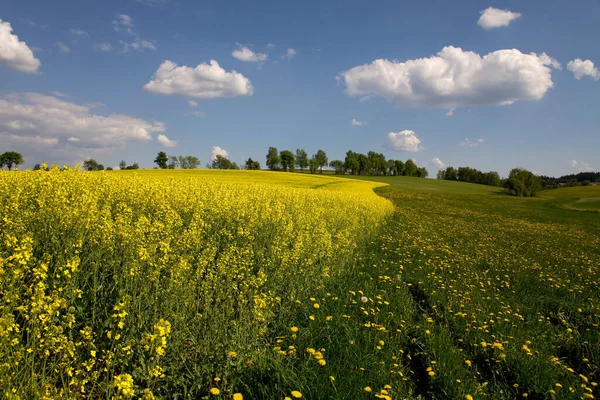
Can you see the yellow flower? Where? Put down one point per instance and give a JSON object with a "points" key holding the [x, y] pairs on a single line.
{"points": [[294, 329], [322, 362], [332, 378], [468, 397], [296, 394], [316, 305], [215, 391], [468, 362], [368, 389], [238, 396]]}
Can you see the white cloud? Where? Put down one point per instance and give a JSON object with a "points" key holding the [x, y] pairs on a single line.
{"points": [[60, 94], [494, 18], [63, 48], [217, 151], [289, 54], [406, 140], [581, 68], [247, 55], [454, 78], [438, 163], [79, 32], [15, 54], [205, 81], [581, 166], [356, 122], [137, 44], [153, 3], [468, 143], [166, 142], [450, 112], [104, 46], [270, 45], [34, 118], [192, 103], [122, 21]]}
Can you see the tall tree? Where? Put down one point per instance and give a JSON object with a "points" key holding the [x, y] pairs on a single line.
{"points": [[161, 160], [321, 158], [221, 162], [122, 164], [273, 159], [173, 162], [10, 159], [91, 165], [288, 161], [301, 159], [399, 167], [313, 165], [522, 183], [351, 162], [410, 168]]}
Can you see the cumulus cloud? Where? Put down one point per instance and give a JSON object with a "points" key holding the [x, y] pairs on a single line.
{"points": [[165, 141], [468, 143], [405, 140], [454, 78], [79, 32], [289, 54], [494, 18], [581, 68], [247, 55], [29, 121], [356, 122], [581, 166], [122, 21], [218, 151], [63, 48], [438, 163], [205, 81], [15, 54]]}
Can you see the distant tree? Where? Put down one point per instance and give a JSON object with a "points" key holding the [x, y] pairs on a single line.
{"points": [[441, 174], [491, 178], [273, 159], [221, 162], [410, 168], [37, 167], [109, 168], [422, 172], [313, 165], [91, 165], [288, 160], [351, 162], [301, 159], [173, 162], [321, 158], [522, 183], [161, 160], [252, 165], [100, 167], [135, 165], [192, 162], [451, 174], [338, 166], [399, 167], [10, 159], [364, 165], [122, 164]]}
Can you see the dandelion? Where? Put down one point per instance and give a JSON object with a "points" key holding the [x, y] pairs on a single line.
{"points": [[215, 391], [296, 394], [294, 329], [316, 305], [364, 299], [368, 389], [238, 396], [468, 397]]}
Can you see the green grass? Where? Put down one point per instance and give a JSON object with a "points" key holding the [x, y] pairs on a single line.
{"points": [[407, 182]]}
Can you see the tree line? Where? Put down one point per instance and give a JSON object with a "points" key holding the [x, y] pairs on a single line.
{"points": [[470, 175], [582, 178], [354, 163]]}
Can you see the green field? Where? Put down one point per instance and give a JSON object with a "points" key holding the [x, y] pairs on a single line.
{"points": [[263, 285]]}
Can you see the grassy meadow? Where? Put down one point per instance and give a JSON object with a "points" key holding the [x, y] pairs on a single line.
{"points": [[261, 285]]}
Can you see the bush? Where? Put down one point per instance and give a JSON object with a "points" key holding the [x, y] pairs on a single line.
{"points": [[522, 183]]}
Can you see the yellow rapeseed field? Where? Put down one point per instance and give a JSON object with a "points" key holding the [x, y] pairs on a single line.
{"points": [[122, 285]]}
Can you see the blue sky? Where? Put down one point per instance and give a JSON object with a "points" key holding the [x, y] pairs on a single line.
{"points": [[88, 93]]}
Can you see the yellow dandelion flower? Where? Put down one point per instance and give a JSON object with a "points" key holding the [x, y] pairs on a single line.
{"points": [[296, 394], [238, 396], [368, 389], [215, 391]]}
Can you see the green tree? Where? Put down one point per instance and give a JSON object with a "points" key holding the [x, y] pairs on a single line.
{"points": [[351, 162], [221, 162], [422, 172], [273, 159], [410, 168], [10, 159], [91, 165], [338, 166], [451, 174], [122, 164], [161, 160], [173, 162], [364, 165], [301, 159], [252, 165], [321, 158], [37, 167], [522, 183], [441, 174], [399, 167], [313, 165], [288, 161]]}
